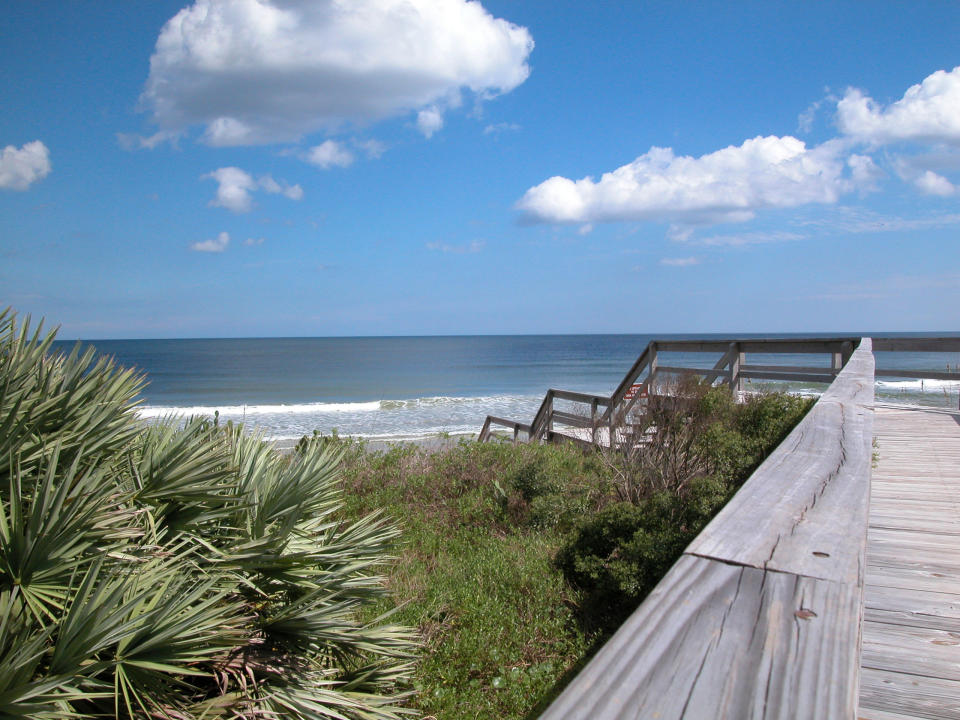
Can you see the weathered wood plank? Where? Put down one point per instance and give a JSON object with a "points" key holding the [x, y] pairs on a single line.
{"points": [[911, 629], [805, 509], [911, 650], [927, 344], [909, 606], [910, 696], [716, 640]]}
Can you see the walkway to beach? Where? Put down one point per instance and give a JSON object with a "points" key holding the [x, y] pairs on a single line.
{"points": [[910, 665]]}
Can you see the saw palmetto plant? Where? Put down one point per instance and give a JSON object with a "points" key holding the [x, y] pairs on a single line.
{"points": [[177, 570]]}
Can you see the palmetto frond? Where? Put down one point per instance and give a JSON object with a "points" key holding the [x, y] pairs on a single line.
{"points": [[177, 570]]}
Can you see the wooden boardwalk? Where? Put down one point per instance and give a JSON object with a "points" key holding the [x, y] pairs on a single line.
{"points": [[910, 664]]}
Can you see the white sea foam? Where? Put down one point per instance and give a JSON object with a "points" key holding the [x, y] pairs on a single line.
{"points": [[151, 411], [918, 385], [406, 419]]}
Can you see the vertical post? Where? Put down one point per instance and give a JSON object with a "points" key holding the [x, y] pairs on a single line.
{"points": [[736, 360], [653, 366], [593, 421], [549, 420], [846, 352], [516, 432]]}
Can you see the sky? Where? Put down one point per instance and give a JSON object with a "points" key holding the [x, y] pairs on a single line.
{"points": [[262, 168]]}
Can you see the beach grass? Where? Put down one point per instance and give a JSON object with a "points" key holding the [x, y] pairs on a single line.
{"points": [[497, 621]]}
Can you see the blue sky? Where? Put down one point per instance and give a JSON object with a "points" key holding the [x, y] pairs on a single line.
{"points": [[393, 167]]}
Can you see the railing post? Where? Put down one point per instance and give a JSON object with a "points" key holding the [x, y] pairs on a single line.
{"points": [[653, 365], [593, 421], [516, 432], [737, 359], [549, 422], [485, 432]]}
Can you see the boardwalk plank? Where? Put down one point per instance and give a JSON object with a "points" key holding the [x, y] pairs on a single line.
{"points": [[910, 662]]}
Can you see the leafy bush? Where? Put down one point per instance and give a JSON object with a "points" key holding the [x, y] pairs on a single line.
{"points": [[178, 570], [688, 454]]}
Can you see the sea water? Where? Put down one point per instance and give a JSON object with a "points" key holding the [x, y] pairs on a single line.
{"points": [[408, 388]]}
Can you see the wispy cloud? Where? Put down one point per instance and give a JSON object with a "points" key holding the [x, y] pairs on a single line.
{"points": [[748, 238], [497, 128], [857, 220], [133, 141], [680, 261], [465, 249]]}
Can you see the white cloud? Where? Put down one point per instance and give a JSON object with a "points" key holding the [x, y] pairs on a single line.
{"points": [[498, 128], [933, 184], [233, 192], [429, 121], [132, 141], [253, 241], [19, 169], [271, 186], [329, 154], [373, 148], [262, 71], [680, 262], [728, 185], [750, 238], [235, 187], [928, 112], [857, 220], [465, 249], [216, 245]]}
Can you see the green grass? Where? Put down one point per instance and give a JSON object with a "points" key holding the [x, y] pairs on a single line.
{"points": [[476, 571], [496, 619]]}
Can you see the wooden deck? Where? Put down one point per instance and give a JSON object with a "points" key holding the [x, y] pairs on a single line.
{"points": [[910, 663]]}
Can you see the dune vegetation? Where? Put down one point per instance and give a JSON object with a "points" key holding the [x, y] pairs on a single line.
{"points": [[176, 570]]}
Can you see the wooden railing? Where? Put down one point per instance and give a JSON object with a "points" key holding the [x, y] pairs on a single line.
{"points": [[606, 418], [760, 617]]}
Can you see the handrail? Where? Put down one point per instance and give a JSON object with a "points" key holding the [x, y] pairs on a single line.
{"points": [[760, 617], [732, 369]]}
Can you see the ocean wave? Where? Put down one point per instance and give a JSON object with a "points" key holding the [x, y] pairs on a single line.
{"points": [[155, 411], [918, 385]]}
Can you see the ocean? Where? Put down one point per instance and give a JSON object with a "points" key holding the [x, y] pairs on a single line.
{"points": [[411, 388]]}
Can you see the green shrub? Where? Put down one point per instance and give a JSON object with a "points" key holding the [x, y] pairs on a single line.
{"points": [[180, 570], [619, 554], [690, 453]]}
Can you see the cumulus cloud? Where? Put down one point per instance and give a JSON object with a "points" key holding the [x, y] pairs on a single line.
{"points": [[262, 71], [20, 168], [235, 187], [928, 112], [329, 154], [215, 245], [729, 185], [429, 121], [931, 183]]}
